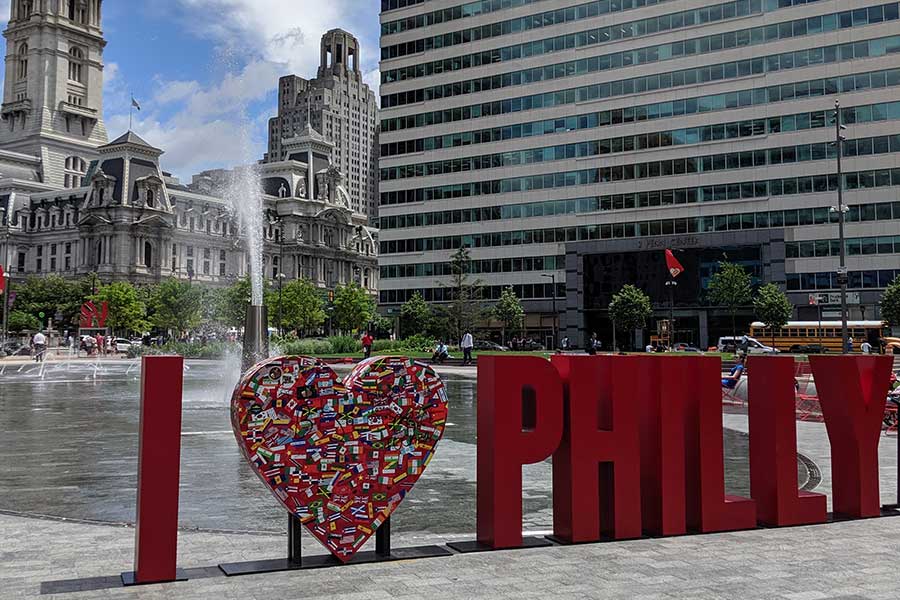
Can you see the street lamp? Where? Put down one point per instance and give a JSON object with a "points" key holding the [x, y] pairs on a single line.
{"points": [[841, 211], [671, 284], [552, 278]]}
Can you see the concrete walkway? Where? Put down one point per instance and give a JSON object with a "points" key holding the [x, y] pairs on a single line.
{"points": [[849, 560]]}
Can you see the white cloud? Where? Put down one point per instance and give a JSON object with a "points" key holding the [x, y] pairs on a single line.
{"points": [[256, 42]]}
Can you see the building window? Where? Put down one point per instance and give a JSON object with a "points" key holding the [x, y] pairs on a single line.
{"points": [[20, 262], [151, 199], [76, 64], [148, 255], [78, 11], [23, 62], [75, 169]]}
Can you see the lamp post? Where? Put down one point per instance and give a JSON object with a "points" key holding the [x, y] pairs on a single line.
{"points": [[671, 284], [841, 211], [552, 278]]}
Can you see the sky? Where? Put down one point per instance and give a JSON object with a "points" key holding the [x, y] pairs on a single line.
{"points": [[205, 72]]}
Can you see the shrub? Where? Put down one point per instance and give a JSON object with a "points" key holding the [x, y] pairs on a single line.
{"points": [[385, 346], [345, 344], [417, 343], [309, 347]]}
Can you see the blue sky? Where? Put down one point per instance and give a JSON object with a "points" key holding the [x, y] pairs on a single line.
{"points": [[206, 70]]}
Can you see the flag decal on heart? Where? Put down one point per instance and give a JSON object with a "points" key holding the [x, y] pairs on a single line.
{"points": [[340, 455]]}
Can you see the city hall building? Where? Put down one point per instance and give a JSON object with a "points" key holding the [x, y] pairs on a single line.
{"points": [[72, 203], [575, 141]]}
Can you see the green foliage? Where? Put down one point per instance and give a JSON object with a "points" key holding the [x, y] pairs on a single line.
{"points": [[509, 311], [233, 303], [415, 316], [302, 306], [630, 308], [381, 326], [772, 306], [345, 344], [18, 320], [52, 294], [176, 305], [353, 307], [730, 287], [309, 347], [209, 351], [127, 313], [465, 309], [890, 303]]}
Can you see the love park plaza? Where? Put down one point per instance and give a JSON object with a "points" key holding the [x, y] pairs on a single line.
{"points": [[445, 299]]}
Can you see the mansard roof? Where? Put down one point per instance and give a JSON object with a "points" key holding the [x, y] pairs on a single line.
{"points": [[130, 137]]}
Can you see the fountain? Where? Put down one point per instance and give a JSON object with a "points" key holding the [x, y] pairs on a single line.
{"points": [[245, 196]]}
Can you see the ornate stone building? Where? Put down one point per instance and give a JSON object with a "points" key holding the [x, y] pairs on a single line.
{"points": [[73, 204], [343, 108]]}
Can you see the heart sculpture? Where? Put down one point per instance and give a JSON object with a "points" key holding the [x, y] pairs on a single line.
{"points": [[341, 456]]}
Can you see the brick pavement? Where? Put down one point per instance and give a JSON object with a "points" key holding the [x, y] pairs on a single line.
{"points": [[849, 560]]}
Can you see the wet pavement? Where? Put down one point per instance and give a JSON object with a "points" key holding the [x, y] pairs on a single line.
{"points": [[69, 449]]}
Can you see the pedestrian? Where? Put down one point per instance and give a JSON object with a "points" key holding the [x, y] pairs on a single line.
{"points": [[850, 345], [866, 347], [564, 344], [593, 344], [100, 344], [467, 344], [649, 348], [39, 343], [367, 344]]}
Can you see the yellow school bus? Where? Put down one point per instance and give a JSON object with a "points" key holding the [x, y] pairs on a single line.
{"points": [[797, 334]]}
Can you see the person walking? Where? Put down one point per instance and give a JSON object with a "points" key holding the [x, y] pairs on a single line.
{"points": [[850, 345], [593, 344], [367, 344], [467, 344], [39, 343], [866, 347]]}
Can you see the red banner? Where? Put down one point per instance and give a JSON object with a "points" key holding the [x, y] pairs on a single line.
{"points": [[675, 268]]}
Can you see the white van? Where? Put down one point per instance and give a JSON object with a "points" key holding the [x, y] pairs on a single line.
{"points": [[754, 346]]}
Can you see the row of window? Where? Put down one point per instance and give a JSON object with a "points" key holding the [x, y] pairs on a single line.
{"points": [[652, 54], [659, 168], [453, 13], [545, 19], [649, 112], [547, 208], [829, 54], [858, 280], [651, 199], [478, 267], [886, 244], [525, 291], [882, 211], [665, 168], [639, 28], [884, 111]]}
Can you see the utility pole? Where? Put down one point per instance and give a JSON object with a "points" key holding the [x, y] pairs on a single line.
{"points": [[841, 211], [552, 277], [671, 283]]}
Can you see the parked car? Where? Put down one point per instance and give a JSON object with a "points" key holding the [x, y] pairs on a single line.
{"points": [[122, 345], [682, 347], [489, 346], [15, 349], [754, 346], [530, 345], [808, 349]]}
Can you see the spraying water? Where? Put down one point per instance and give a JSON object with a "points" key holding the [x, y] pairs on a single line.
{"points": [[245, 195]]}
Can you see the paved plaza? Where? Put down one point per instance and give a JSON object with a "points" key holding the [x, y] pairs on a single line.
{"points": [[849, 560]]}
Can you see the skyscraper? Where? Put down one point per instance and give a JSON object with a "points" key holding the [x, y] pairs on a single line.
{"points": [[340, 105], [577, 140]]}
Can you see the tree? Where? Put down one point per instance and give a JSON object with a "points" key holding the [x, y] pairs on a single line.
{"points": [[21, 321], [51, 295], [353, 307], [509, 311], [302, 307], [176, 305], [630, 308], [126, 311], [773, 308], [890, 303], [465, 309], [234, 301], [730, 287], [415, 316]]}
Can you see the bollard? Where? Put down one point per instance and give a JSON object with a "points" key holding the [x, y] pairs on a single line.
{"points": [[159, 455]]}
